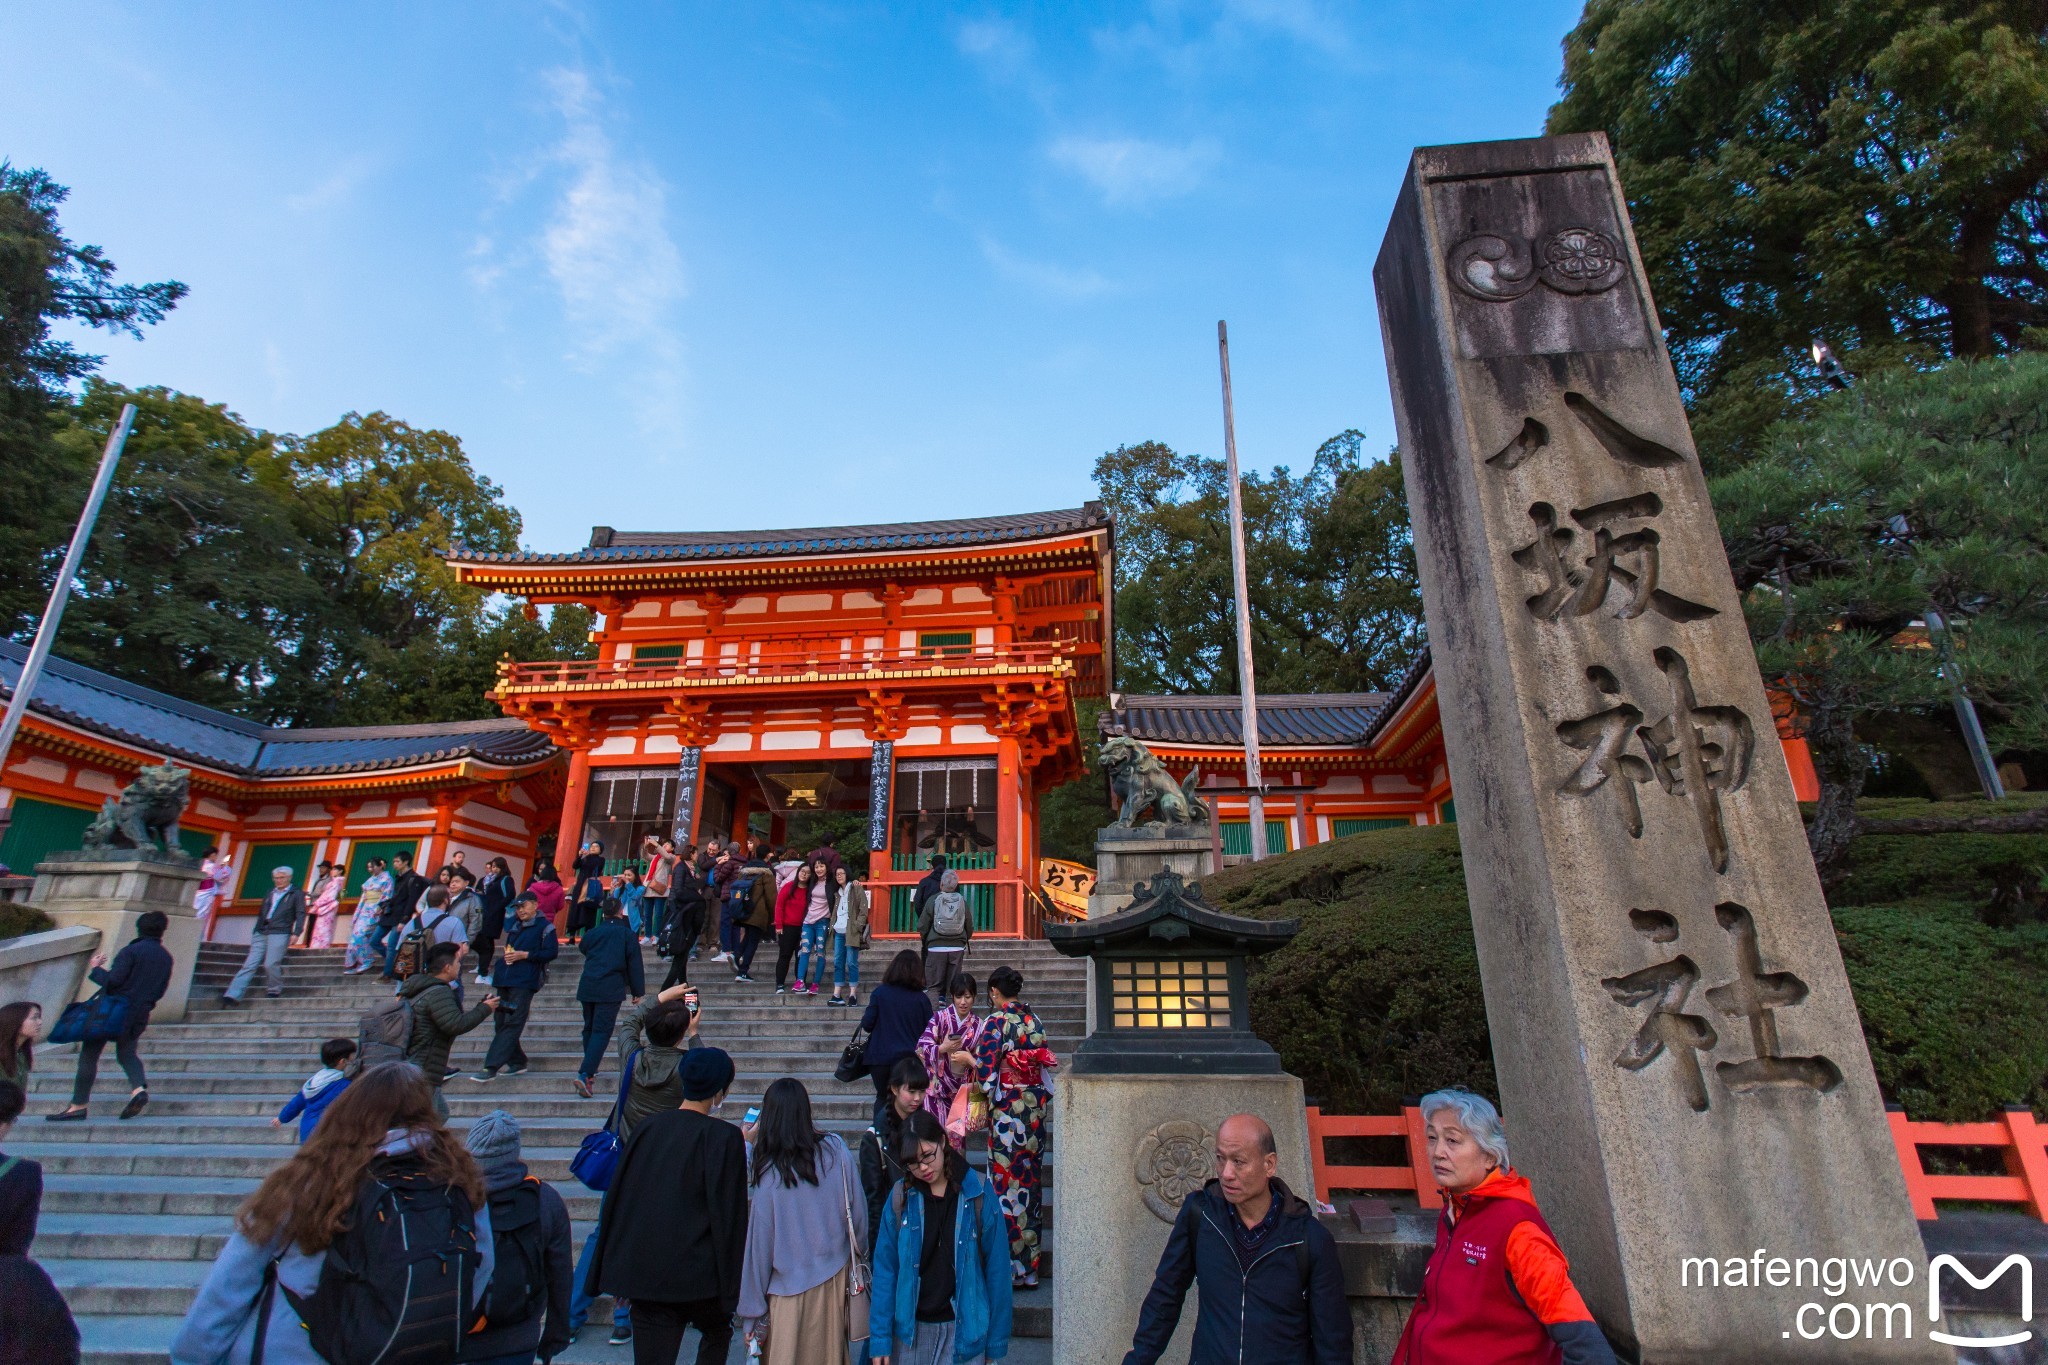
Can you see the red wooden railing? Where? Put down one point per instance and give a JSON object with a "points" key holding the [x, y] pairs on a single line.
{"points": [[2020, 1140], [2018, 1137], [784, 660], [1406, 1125]]}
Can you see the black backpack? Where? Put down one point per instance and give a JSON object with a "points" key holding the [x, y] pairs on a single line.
{"points": [[519, 1283], [397, 1284]]}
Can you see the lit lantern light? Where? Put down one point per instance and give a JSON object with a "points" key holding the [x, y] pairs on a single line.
{"points": [[1168, 977]]}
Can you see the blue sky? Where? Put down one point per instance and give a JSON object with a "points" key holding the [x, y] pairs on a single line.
{"points": [[701, 266]]}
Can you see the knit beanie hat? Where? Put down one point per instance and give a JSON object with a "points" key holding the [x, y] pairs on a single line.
{"points": [[494, 1138], [705, 1071]]}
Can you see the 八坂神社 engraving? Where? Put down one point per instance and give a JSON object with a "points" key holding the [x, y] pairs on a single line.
{"points": [[1580, 591], [1751, 997], [1575, 260], [1695, 752], [1667, 1026], [1628, 447]]}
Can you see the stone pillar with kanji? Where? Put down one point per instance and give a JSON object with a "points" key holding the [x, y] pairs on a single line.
{"points": [[1681, 1065]]}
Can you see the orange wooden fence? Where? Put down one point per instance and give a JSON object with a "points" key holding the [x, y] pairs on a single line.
{"points": [[2019, 1138], [1406, 1125]]}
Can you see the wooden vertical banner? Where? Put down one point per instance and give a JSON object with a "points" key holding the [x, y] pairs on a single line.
{"points": [[689, 780], [881, 777], [1681, 1064]]}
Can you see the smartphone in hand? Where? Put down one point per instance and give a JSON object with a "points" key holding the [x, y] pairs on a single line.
{"points": [[753, 1116]]}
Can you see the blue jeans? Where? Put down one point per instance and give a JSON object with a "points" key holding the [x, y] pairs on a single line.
{"points": [[810, 958], [579, 1299], [386, 942], [845, 963]]}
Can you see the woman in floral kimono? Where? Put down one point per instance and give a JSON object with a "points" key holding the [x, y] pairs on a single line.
{"points": [[360, 956], [1012, 1061], [947, 1051], [326, 902]]}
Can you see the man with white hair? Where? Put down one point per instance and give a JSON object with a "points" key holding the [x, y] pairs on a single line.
{"points": [[1500, 1289], [283, 912], [1271, 1288]]}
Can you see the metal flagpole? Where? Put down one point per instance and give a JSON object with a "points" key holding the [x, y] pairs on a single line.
{"points": [[46, 632], [1247, 683]]}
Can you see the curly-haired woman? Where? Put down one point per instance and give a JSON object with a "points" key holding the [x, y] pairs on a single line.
{"points": [[383, 1127]]}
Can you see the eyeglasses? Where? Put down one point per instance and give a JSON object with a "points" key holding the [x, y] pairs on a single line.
{"points": [[926, 1156]]}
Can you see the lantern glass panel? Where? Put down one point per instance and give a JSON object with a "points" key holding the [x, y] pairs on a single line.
{"points": [[1170, 993]]}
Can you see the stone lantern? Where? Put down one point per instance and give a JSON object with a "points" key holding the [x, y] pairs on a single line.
{"points": [[1167, 984], [1169, 1055]]}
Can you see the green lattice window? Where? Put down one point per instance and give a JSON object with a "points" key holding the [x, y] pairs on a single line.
{"points": [[40, 828], [1237, 837], [1340, 828], [1448, 812], [263, 858], [953, 642], [359, 854], [641, 652]]}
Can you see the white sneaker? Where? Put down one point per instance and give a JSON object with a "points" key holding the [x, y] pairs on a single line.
{"points": [[723, 957], [482, 980]]}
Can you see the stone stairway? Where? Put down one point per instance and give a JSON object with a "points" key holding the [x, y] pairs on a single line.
{"points": [[133, 1213]]}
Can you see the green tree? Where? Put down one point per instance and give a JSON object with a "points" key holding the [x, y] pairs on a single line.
{"points": [[1871, 172], [45, 277], [195, 581], [445, 675], [378, 501], [1912, 489], [1329, 567]]}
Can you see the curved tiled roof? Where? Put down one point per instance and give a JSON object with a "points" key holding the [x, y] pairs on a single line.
{"points": [[609, 546], [1286, 719], [148, 719]]}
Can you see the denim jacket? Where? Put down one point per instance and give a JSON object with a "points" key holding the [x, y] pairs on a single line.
{"points": [[981, 1274]]}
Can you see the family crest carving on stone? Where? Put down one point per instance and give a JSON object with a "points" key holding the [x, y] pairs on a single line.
{"points": [[1173, 1161]]}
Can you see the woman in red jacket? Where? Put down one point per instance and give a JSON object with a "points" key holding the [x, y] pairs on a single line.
{"points": [[1500, 1291], [791, 904]]}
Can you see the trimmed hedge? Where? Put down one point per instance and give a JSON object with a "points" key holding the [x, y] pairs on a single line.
{"points": [[1379, 998], [19, 917]]}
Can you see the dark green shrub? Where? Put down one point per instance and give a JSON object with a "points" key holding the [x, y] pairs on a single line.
{"points": [[19, 917]]}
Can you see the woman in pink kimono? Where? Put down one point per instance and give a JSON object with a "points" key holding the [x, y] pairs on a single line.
{"points": [[947, 1050], [326, 901]]}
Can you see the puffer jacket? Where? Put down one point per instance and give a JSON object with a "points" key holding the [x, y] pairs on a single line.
{"points": [[1270, 1311], [438, 1019]]}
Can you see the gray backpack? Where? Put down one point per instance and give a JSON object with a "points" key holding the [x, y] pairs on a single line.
{"points": [[949, 915], [384, 1033]]}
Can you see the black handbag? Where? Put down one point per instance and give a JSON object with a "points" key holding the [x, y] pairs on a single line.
{"points": [[853, 1059]]}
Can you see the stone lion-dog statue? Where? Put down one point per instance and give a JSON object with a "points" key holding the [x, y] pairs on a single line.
{"points": [[1142, 785], [145, 814]]}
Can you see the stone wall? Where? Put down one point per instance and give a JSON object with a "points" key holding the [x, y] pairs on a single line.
{"points": [[46, 968]]}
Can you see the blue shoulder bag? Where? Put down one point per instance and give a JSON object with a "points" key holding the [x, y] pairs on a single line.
{"points": [[597, 1156]]}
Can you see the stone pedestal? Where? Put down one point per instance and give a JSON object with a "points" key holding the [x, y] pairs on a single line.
{"points": [[108, 894], [46, 968], [1125, 857], [1130, 1149]]}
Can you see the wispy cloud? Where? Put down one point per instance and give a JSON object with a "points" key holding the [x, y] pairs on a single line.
{"points": [[1306, 21], [606, 242], [603, 244], [335, 187], [1043, 277], [1129, 170]]}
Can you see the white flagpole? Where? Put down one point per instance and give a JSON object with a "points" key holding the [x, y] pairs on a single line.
{"points": [[60, 592], [1247, 684]]}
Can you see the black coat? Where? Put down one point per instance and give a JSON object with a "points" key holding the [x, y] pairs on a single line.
{"points": [[21, 1203], [674, 1223], [35, 1323], [1284, 1316], [398, 906], [611, 964], [141, 973], [497, 892], [558, 1266]]}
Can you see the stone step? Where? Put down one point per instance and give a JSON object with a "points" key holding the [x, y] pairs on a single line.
{"points": [[208, 1196], [147, 1340]]}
